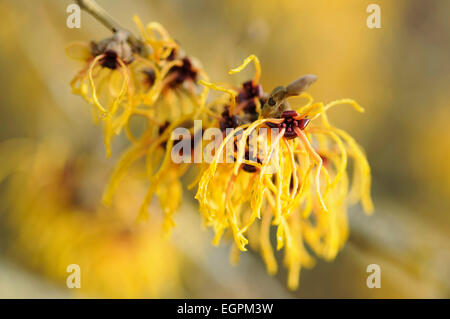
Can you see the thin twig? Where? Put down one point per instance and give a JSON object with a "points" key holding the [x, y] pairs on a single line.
{"points": [[101, 15]]}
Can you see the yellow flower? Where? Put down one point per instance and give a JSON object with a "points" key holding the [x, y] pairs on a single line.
{"points": [[158, 84], [287, 185], [121, 78]]}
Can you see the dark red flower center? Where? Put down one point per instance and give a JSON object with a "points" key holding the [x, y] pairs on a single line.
{"points": [[290, 123]]}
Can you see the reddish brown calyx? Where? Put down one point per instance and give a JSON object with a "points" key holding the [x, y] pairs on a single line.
{"points": [[163, 127], [247, 95], [324, 160], [181, 73], [228, 121], [110, 60], [249, 91], [291, 120]]}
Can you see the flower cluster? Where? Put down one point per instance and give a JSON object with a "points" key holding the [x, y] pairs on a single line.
{"points": [[153, 79], [296, 181], [53, 224], [287, 168]]}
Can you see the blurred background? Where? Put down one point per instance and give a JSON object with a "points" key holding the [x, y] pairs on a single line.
{"points": [[51, 214]]}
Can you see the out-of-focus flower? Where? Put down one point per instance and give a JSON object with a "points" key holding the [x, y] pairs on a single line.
{"points": [[54, 224], [297, 180]]}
